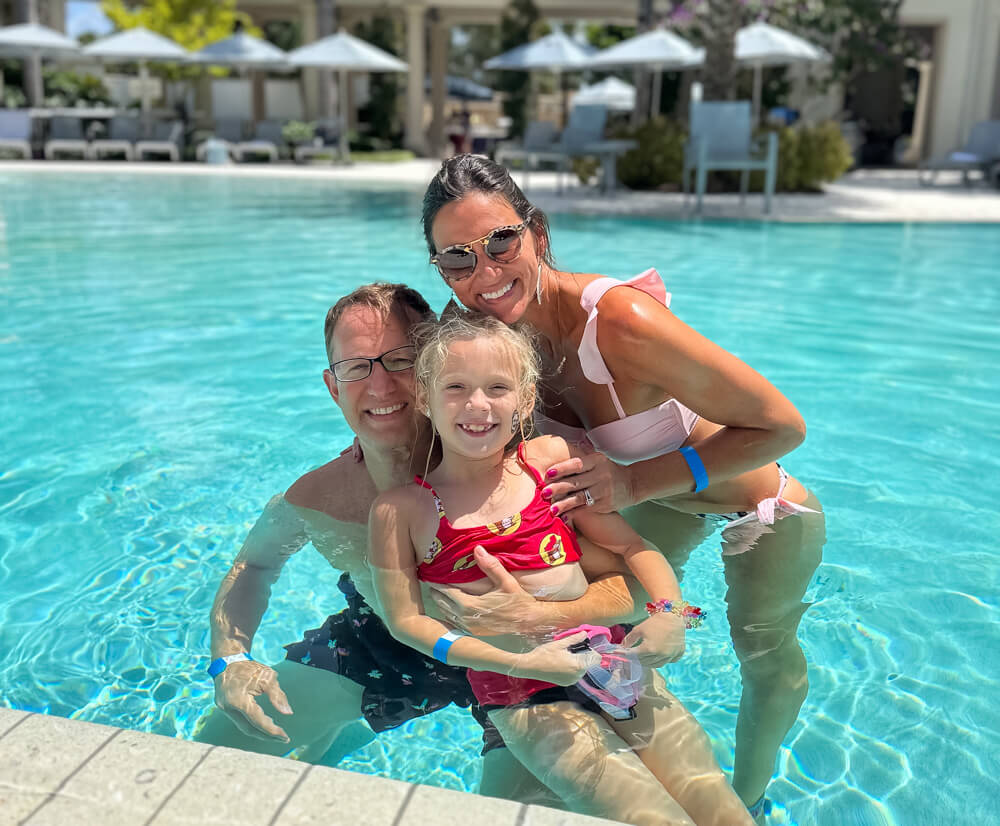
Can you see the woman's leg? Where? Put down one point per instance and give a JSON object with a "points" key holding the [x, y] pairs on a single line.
{"points": [[764, 605], [676, 750], [580, 757]]}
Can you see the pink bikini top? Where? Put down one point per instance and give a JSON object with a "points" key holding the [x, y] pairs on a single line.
{"points": [[640, 436]]}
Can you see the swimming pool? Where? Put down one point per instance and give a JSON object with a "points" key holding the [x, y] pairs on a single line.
{"points": [[160, 360]]}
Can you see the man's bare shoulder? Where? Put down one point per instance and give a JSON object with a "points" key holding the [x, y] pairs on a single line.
{"points": [[341, 489]]}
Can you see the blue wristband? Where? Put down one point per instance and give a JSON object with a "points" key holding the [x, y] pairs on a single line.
{"points": [[697, 468], [218, 665], [445, 641]]}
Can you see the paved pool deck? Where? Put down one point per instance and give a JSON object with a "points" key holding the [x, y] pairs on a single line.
{"points": [[58, 772], [862, 196]]}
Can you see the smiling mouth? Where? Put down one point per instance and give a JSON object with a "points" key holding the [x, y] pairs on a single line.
{"points": [[386, 411], [499, 293], [477, 429]]}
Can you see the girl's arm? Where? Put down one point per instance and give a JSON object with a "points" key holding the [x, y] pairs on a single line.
{"points": [[394, 574], [660, 637]]}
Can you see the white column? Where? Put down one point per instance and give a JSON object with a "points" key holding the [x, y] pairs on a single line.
{"points": [[440, 35], [415, 57]]}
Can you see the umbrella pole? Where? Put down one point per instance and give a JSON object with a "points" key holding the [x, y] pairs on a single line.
{"points": [[144, 86], [758, 76], [33, 67], [345, 146], [654, 102]]}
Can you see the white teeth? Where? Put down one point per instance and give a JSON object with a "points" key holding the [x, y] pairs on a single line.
{"points": [[498, 293], [385, 411], [477, 428]]}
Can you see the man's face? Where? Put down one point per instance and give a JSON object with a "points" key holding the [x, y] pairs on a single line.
{"points": [[379, 409]]}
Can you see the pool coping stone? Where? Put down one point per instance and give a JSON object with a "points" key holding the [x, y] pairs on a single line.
{"points": [[56, 771]]}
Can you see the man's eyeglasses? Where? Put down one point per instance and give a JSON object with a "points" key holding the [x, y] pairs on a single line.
{"points": [[393, 361], [502, 245]]}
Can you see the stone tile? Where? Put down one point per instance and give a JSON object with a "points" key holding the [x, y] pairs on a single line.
{"points": [[232, 786], [38, 755], [123, 784], [9, 717], [446, 807], [327, 796], [544, 816]]}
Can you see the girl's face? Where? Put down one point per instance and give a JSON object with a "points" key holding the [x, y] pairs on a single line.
{"points": [[473, 401], [501, 290]]}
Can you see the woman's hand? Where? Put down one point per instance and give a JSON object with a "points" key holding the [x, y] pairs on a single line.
{"points": [[609, 484], [555, 663], [659, 639]]}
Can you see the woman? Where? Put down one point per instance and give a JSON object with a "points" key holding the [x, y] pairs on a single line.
{"points": [[689, 426]]}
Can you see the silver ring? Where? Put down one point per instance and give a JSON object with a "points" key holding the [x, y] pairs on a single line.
{"points": [[587, 497]]}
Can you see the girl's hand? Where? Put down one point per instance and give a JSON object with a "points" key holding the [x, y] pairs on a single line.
{"points": [[609, 484], [555, 663], [660, 639]]}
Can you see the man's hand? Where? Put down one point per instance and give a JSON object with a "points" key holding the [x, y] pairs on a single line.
{"points": [[660, 639], [609, 484], [507, 609], [236, 690]]}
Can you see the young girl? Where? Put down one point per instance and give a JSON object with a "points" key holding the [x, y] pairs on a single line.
{"points": [[475, 381]]}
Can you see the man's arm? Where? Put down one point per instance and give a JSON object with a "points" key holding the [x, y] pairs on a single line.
{"points": [[613, 596], [239, 604], [245, 591]]}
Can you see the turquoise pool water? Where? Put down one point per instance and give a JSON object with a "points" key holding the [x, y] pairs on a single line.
{"points": [[160, 360]]}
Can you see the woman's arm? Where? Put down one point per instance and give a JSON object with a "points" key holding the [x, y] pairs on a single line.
{"points": [[644, 343], [395, 579]]}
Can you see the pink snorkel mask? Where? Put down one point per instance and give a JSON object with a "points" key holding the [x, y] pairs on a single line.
{"points": [[614, 682]]}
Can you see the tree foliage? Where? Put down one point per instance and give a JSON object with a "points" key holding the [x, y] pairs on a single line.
{"points": [[517, 26], [383, 31], [191, 23], [862, 36]]}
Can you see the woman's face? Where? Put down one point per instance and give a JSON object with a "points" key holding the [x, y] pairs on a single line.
{"points": [[503, 291]]}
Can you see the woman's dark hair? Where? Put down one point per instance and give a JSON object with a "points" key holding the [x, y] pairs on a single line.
{"points": [[464, 174]]}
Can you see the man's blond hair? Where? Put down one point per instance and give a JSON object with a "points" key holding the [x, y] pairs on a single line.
{"points": [[384, 298]]}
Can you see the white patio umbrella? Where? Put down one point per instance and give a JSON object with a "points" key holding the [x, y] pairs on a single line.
{"points": [[610, 92], [556, 52], [242, 51], [343, 53], [658, 49], [140, 45], [28, 40], [761, 44]]}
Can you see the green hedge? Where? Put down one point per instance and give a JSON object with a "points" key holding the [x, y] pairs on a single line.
{"points": [[807, 156]]}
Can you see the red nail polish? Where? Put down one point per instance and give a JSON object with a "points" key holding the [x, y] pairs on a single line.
{"points": [[551, 472], [546, 494], [554, 510]]}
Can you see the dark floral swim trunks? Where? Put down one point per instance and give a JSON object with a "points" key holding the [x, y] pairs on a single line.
{"points": [[399, 682]]}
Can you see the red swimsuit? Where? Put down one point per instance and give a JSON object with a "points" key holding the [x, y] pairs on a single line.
{"points": [[533, 539]]}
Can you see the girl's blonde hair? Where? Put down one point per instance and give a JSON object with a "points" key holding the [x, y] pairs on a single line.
{"points": [[434, 338]]}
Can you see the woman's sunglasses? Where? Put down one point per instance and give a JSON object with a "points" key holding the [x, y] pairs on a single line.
{"points": [[502, 245]]}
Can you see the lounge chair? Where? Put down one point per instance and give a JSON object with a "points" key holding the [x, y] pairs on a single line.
{"points": [[227, 130], [165, 140], [583, 135], [979, 154], [721, 138], [123, 133], [328, 133], [65, 135], [267, 137], [15, 131]]}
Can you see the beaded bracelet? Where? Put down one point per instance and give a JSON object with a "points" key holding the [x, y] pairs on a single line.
{"points": [[692, 615]]}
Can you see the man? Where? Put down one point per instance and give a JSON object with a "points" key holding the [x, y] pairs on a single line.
{"points": [[351, 668]]}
